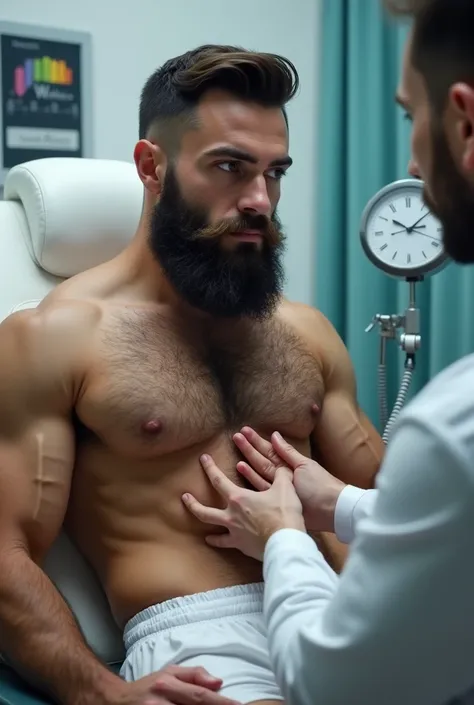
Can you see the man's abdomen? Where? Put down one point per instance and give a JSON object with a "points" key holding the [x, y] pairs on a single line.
{"points": [[150, 575], [128, 520]]}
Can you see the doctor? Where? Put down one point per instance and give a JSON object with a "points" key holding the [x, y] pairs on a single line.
{"points": [[397, 627]]}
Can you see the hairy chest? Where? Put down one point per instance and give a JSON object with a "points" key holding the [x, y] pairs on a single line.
{"points": [[154, 389]]}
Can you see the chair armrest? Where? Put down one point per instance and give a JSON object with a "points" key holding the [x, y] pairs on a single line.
{"points": [[14, 690]]}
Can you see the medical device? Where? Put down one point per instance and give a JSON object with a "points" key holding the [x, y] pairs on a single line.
{"points": [[401, 236]]}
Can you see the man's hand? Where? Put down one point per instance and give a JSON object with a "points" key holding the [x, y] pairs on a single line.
{"points": [[250, 517], [173, 685], [316, 488], [263, 460]]}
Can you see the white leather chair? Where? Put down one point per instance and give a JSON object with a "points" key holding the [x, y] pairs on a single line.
{"points": [[59, 217]]}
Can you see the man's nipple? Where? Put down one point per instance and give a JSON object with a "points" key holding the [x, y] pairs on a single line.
{"points": [[152, 427]]}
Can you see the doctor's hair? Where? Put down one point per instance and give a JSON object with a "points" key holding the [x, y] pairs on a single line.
{"points": [[170, 97], [442, 47], [407, 8]]}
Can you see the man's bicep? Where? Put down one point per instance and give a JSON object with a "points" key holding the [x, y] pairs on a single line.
{"points": [[36, 447], [35, 480], [344, 440], [347, 444]]}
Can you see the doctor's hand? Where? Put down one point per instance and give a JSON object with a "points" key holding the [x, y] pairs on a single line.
{"points": [[250, 517], [316, 488], [172, 685]]}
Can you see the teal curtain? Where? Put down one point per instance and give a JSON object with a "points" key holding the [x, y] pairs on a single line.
{"points": [[364, 144]]}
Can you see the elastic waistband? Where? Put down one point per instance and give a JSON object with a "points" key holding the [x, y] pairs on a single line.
{"points": [[201, 607]]}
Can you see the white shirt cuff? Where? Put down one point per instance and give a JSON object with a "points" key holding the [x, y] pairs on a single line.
{"points": [[344, 521]]}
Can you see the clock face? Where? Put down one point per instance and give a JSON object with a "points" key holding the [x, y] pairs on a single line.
{"points": [[400, 234]]}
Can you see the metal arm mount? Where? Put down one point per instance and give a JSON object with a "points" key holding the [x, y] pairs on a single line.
{"points": [[410, 342]]}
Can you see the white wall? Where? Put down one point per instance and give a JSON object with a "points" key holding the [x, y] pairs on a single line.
{"points": [[131, 38]]}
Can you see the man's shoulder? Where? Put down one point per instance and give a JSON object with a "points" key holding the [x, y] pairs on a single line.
{"points": [[318, 334], [309, 321], [55, 316], [49, 341]]}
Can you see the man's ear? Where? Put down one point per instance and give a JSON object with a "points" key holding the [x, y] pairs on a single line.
{"points": [[150, 161], [462, 107]]}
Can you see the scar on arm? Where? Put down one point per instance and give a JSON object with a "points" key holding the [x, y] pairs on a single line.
{"points": [[39, 478], [45, 477]]}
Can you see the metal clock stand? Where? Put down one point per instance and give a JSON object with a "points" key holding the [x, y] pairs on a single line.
{"points": [[405, 251], [410, 342]]}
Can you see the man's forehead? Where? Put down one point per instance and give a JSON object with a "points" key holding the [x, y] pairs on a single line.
{"points": [[222, 108], [409, 79], [224, 118]]}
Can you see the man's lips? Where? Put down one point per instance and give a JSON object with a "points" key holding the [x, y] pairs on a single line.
{"points": [[248, 235]]}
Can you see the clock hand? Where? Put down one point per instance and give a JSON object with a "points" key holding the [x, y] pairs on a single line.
{"points": [[418, 221], [397, 222], [399, 231], [428, 236]]}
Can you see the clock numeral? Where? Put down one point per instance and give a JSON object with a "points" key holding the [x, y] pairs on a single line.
{"points": [[395, 254], [384, 247], [424, 254], [380, 232], [408, 201], [382, 218], [435, 244], [393, 208], [408, 259]]}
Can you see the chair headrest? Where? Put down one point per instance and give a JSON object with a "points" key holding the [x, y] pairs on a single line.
{"points": [[80, 212]]}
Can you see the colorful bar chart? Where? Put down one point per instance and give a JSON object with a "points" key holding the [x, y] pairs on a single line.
{"points": [[41, 70]]}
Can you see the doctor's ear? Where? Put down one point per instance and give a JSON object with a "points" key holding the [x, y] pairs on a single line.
{"points": [[462, 102], [150, 161]]}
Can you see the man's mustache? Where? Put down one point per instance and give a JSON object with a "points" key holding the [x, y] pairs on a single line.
{"points": [[269, 230]]}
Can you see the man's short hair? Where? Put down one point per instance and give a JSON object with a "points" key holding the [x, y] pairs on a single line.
{"points": [[443, 42], [170, 97]]}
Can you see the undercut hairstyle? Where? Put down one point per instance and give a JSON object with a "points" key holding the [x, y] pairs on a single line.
{"points": [[170, 97], [443, 42]]}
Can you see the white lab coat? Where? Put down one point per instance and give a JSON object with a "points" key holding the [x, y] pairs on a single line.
{"points": [[397, 627]]}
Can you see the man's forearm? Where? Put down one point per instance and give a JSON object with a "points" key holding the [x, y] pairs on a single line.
{"points": [[39, 635]]}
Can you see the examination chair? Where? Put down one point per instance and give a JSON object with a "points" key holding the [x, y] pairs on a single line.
{"points": [[59, 217]]}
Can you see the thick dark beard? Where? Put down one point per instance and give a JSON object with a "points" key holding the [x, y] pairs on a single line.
{"points": [[451, 200], [246, 281]]}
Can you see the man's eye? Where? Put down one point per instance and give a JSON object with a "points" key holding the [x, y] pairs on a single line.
{"points": [[277, 173], [228, 166]]}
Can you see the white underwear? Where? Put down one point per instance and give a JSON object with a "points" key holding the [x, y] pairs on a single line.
{"points": [[221, 630]]}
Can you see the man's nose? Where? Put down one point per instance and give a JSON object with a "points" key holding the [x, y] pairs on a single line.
{"points": [[255, 199], [413, 169]]}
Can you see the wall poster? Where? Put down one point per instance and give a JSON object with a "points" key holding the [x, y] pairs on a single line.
{"points": [[46, 94]]}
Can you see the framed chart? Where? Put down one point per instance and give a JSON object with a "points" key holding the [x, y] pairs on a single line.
{"points": [[46, 94]]}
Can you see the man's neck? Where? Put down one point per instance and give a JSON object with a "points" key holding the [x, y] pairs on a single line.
{"points": [[150, 280]]}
